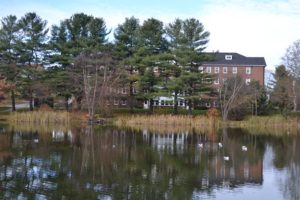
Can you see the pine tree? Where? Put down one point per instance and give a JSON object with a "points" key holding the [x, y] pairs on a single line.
{"points": [[9, 41]]}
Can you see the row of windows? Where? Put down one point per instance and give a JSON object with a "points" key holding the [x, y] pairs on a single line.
{"points": [[224, 70], [118, 102], [123, 91], [217, 81]]}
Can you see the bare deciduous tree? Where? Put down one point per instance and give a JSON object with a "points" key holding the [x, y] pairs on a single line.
{"points": [[230, 95], [291, 60], [99, 75]]}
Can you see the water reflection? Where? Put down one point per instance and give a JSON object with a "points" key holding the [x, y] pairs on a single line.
{"points": [[112, 163]]}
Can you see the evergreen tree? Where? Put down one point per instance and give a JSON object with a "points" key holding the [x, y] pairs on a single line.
{"points": [[32, 51], [126, 46], [151, 43], [80, 33], [282, 90], [187, 40], [9, 45]]}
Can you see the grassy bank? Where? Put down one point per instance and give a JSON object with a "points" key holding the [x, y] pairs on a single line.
{"points": [[47, 117], [166, 120], [275, 124], [40, 117]]}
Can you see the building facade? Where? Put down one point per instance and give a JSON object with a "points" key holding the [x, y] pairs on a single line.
{"points": [[227, 65], [223, 66]]}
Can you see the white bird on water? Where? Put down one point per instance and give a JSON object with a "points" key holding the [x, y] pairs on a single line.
{"points": [[200, 145], [220, 144], [36, 140], [226, 158], [244, 148]]}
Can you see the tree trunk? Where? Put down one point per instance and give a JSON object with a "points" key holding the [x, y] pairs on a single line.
{"points": [[176, 103], [151, 106], [131, 97], [78, 100], [66, 103], [13, 101], [30, 101], [190, 107]]}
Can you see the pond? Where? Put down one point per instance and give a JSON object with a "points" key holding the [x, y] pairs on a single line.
{"points": [[114, 163]]}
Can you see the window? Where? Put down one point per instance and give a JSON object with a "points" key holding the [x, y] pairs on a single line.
{"points": [[208, 70], [207, 104], [228, 57], [116, 102], [215, 104], [123, 102], [216, 70], [248, 70], [234, 70], [200, 69], [123, 90], [248, 80], [180, 103], [224, 70], [216, 82], [162, 102], [156, 103]]}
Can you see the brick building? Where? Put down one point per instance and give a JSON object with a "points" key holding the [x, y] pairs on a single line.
{"points": [[226, 65], [223, 66]]}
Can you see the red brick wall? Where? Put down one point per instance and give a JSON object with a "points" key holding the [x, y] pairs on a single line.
{"points": [[257, 72]]}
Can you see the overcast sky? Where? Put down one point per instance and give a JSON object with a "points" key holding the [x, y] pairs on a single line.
{"points": [[250, 27]]}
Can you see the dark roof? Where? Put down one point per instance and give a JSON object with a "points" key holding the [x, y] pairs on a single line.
{"points": [[237, 59]]}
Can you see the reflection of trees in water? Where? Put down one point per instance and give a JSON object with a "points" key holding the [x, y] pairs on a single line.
{"points": [[129, 164], [286, 152]]}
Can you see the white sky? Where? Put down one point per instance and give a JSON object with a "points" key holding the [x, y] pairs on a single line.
{"points": [[251, 27]]}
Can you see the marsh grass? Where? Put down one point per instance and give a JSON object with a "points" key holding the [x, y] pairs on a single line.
{"points": [[40, 117], [274, 122], [166, 120], [275, 125]]}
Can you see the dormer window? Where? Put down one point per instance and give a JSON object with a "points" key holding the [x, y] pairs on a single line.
{"points": [[228, 57]]}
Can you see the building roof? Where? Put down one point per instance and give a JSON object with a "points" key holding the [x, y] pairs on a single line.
{"points": [[236, 59]]}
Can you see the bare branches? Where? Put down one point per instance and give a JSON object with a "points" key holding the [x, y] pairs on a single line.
{"points": [[99, 75]]}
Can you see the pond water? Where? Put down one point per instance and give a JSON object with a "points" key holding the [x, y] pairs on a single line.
{"points": [[113, 163]]}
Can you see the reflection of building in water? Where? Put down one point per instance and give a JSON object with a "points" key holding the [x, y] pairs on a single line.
{"points": [[242, 167], [166, 141], [61, 136]]}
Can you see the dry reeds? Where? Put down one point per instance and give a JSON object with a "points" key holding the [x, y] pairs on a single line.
{"points": [[166, 120], [40, 117], [274, 122]]}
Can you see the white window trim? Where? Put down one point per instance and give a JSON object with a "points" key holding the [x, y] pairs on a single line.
{"points": [[207, 104], [116, 102], [124, 102], [228, 57], [201, 69], [208, 70], [234, 70], [217, 81], [217, 69], [248, 81], [248, 70]]}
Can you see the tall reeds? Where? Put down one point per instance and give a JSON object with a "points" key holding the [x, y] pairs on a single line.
{"points": [[166, 120], [40, 117]]}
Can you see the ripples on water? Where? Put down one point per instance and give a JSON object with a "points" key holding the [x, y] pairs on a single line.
{"points": [[112, 163]]}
